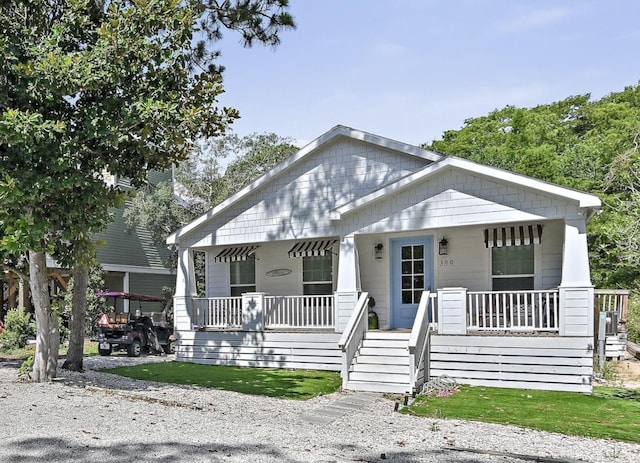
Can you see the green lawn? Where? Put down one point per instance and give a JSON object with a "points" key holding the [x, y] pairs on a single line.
{"points": [[90, 348], [272, 382], [608, 413]]}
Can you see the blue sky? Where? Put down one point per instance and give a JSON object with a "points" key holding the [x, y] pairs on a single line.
{"points": [[411, 69]]}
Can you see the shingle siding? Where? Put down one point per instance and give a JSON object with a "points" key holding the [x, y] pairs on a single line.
{"points": [[296, 204], [453, 199]]}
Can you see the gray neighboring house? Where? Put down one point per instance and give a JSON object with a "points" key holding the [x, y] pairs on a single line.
{"points": [[132, 261]]}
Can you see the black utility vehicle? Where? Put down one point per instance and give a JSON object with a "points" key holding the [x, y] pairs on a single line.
{"points": [[147, 331]]}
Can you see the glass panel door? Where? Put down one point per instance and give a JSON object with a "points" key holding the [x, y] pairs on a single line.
{"points": [[411, 274]]}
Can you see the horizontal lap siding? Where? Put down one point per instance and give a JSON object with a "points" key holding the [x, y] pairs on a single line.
{"points": [[135, 247], [616, 345], [313, 351], [144, 283], [548, 363]]}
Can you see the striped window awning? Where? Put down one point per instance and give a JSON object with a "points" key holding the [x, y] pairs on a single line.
{"points": [[311, 248], [235, 254], [513, 236]]}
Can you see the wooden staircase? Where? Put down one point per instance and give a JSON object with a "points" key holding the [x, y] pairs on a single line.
{"points": [[382, 363]]}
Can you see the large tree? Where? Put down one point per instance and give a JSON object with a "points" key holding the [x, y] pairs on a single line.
{"points": [[201, 182], [102, 86]]}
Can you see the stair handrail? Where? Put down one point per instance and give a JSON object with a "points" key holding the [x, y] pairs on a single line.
{"points": [[353, 334], [419, 339]]}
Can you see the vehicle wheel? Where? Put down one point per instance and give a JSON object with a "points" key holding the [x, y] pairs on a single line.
{"points": [[134, 349], [105, 352], [170, 348]]}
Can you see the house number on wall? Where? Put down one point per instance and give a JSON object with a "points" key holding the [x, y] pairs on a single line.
{"points": [[446, 263]]}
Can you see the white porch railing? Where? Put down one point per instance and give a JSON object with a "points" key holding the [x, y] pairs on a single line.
{"points": [[353, 334], [419, 341], [290, 312], [513, 310], [218, 312], [299, 311]]}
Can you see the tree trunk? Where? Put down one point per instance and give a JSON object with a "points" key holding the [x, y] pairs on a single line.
{"points": [[47, 334], [74, 360]]}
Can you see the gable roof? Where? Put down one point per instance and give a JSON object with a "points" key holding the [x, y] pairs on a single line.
{"points": [[293, 160], [584, 200]]}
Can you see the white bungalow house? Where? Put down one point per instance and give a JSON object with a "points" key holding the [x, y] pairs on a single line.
{"points": [[477, 273]]}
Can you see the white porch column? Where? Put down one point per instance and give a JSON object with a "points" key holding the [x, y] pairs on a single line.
{"points": [[576, 290], [452, 311], [348, 269], [348, 282], [575, 255], [183, 315]]}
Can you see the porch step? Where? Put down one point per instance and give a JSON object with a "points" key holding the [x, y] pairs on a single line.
{"points": [[378, 387], [381, 364], [363, 367], [385, 343], [385, 377], [379, 357], [388, 335]]}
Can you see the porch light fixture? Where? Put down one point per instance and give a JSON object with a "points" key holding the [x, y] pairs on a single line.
{"points": [[443, 247], [378, 251]]}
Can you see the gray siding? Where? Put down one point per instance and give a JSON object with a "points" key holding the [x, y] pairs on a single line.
{"points": [[144, 283], [122, 246]]}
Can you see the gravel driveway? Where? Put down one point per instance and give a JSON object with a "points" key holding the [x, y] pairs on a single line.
{"points": [[101, 418]]}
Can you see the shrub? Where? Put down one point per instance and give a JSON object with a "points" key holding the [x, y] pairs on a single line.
{"points": [[18, 327], [26, 367]]}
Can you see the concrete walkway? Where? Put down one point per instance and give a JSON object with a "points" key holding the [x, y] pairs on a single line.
{"points": [[356, 403]]}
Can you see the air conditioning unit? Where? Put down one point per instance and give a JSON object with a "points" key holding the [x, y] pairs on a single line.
{"points": [[612, 323]]}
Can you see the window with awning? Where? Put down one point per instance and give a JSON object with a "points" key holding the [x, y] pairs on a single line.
{"points": [[236, 254], [519, 235], [311, 248]]}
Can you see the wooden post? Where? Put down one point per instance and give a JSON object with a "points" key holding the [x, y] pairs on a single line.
{"points": [[12, 302], [3, 312]]}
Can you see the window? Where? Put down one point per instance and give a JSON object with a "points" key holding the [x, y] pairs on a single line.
{"points": [[243, 276], [317, 274], [412, 265], [512, 268]]}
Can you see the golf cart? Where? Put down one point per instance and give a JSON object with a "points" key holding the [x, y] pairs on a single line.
{"points": [[145, 331]]}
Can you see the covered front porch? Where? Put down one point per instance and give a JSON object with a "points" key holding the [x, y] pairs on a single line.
{"points": [[535, 311], [444, 299], [502, 338]]}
